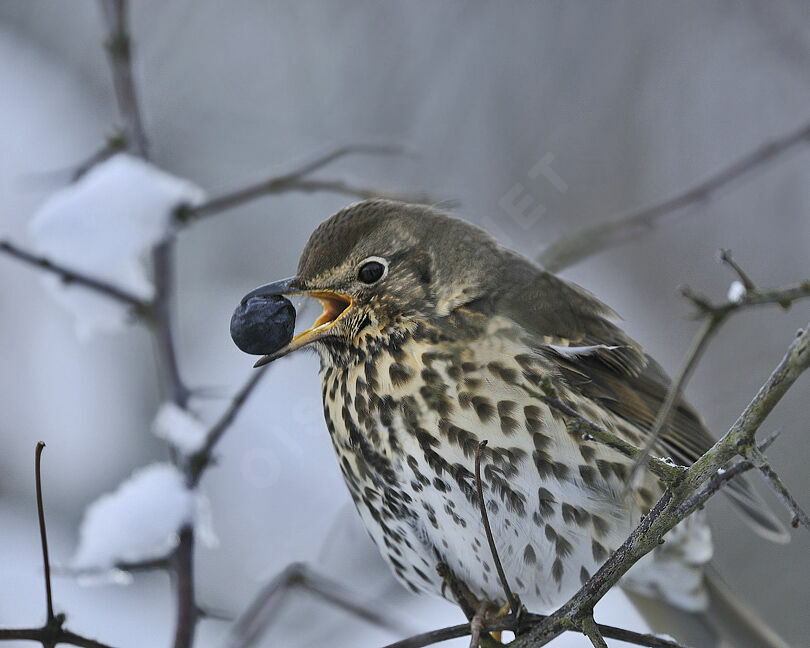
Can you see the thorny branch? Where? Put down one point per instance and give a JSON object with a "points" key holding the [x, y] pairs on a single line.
{"points": [[614, 231], [53, 632]]}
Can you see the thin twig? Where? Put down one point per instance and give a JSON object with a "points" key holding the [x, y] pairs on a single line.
{"points": [[669, 473], [696, 349], [53, 632], [200, 459], [728, 259], [510, 597], [616, 230], [668, 511], [715, 316], [779, 488], [71, 276], [43, 534], [258, 615]]}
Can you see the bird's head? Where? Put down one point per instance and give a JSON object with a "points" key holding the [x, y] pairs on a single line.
{"points": [[378, 267]]}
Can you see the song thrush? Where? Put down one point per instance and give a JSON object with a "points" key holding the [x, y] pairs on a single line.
{"points": [[433, 337]]}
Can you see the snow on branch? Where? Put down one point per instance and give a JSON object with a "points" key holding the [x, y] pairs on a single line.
{"points": [[140, 521], [102, 227]]}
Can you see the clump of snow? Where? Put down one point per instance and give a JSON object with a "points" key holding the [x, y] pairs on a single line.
{"points": [[736, 292], [179, 427], [140, 520], [104, 225]]}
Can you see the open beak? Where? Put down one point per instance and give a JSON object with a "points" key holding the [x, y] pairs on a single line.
{"points": [[335, 305]]}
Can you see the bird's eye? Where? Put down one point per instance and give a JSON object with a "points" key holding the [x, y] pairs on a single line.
{"points": [[371, 271]]}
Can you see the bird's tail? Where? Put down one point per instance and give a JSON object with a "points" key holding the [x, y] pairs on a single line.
{"points": [[728, 622]]}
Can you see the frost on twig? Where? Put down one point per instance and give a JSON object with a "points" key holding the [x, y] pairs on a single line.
{"points": [[104, 225], [140, 520]]}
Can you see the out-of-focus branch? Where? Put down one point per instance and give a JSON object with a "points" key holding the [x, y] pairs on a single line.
{"points": [[69, 275], [200, 460], [119, 52], [260, 613], [590, 240], [298, 179], [53, 632], [119, 49]]}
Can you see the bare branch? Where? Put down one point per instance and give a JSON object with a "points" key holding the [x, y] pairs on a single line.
{"points": [[71, 276], [298, 180], [669, 510], [53, 632], [728, 259], [696, 349], [590, 240], [253, 621], [529, 620], [202, 458], [43, 534], [715, 317], [510, 597]]}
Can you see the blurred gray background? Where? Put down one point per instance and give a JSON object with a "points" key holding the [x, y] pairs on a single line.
{"points": [[627, 102]]}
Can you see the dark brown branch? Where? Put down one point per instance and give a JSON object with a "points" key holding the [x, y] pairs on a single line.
{"points": [[514, 605], [43, 534], [249, 626], [616, 230], [298, 180], [202, 458], [53, 632], [71, 276]]}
